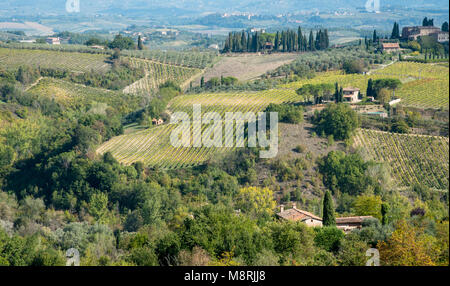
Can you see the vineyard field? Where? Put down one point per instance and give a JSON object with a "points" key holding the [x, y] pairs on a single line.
{"points": [[200, 60], [152, 146], [344, 80], [75, 96], [71, 61], [424, 85], [416, 70], [157, 74], [412, 158]]}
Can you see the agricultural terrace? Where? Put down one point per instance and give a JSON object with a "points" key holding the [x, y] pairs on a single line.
{"points": [[345, 80], [71, 61], [77, 96], [424, 85], [191, 59], [157, 74], [429, 87], [152, 146], [413, 158]]}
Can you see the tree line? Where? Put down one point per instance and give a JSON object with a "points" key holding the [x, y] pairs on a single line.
{"points": [[284, 41]]}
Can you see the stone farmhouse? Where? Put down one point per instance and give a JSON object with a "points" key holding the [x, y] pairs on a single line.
{"points": [[412, 33], [351, 94], [346, 224]]}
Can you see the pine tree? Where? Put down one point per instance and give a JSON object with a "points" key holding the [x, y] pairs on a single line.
{"points": [[328, 218], [444, 27]]}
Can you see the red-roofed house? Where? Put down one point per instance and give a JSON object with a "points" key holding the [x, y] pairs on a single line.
{"points": [[295, 214], [350, 223], [390, 47]]}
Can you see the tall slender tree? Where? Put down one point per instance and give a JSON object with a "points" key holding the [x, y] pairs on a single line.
{"points": [[328, 218]]}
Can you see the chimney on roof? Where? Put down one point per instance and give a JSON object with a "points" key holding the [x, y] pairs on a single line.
{"points": [[281, 208], [294, 206]]}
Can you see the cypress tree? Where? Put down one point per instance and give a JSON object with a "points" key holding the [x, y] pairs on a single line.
{"points": [[311, 41], [328, 218], [375, 37], [300, 38], [140, 43], [243, 42], [277, 41], [370, 91], [384, 210], [336, 92]]}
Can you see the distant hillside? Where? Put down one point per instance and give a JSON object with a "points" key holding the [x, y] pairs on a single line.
{"points": [[203, 6]]}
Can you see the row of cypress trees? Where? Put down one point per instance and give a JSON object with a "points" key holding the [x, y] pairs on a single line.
{"points": [[284, 41]]}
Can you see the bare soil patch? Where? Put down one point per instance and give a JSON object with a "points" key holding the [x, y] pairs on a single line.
{"points": [[248, 66]]}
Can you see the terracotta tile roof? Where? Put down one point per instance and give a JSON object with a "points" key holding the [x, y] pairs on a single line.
{"points": [[391, 46], [296, 214], [352, 219], [351, 89]]}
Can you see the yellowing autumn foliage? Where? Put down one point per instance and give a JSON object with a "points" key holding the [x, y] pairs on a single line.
{"points": [[256, 201], [408, 246]]}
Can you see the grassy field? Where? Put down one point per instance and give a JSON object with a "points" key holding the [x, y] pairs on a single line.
{"points": [[412, 158], [158, 73], [152, 146], [75, 62], [247, 66]]}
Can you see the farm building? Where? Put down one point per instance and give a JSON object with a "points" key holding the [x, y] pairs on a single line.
{"points": [[390, 47], [157, 121], [53, 41], [295, 214], [440, 37], [351, 94], [268, 46], [412, 33], [348, 224], [97, 47]]}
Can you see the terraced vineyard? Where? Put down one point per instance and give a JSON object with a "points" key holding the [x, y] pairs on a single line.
{"points": [[157, 73], [413, 158], [75, 96], [191, 59], [152, 146], [417, 70], [75, 62], [424, 85], [425, 93], [429, 89], [345, 80]]}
